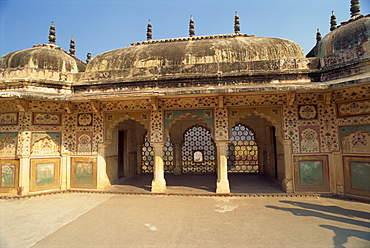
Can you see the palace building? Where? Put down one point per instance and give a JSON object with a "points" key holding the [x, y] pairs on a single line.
{"points": [[220, 104]]}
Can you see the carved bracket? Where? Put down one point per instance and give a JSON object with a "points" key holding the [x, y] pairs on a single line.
{"points": [[69, 107], [220, 101], [95, 105], [327, 98], [22, 105], [290, 96], [154, 103]]}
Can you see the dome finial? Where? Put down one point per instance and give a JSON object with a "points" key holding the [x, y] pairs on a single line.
{"points": [[236, 23], [355, 8], [318, 36], [88, 57], [149, 34], [191, 27], [333, 21], [52, 37], [72, 46]]}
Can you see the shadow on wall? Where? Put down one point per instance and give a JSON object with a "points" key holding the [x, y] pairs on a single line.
{"points": [[325, 212]]}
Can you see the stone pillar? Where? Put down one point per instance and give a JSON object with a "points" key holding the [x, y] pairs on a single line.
{"points": [[222, 186], [158, 183], [23, 153], [177, 160], [102, 177], [287, 183], [336, 173], [24, 175], [64, 175]]}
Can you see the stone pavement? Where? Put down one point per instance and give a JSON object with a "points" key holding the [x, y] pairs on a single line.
{"points": [[123, 220]]}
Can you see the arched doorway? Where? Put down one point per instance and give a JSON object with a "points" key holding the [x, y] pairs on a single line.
{"points": [[242, 151], [252, 156], [123, 154]]}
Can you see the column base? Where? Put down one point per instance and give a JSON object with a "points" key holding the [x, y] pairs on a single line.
{"points": [[103, 184], [223, 187], [159, 186], [177, 171], [287, 185]]}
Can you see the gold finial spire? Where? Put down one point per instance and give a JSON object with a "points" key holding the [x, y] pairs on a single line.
{"points": [[355, 8], [72, 46], [52, 37], [318, 36], [333, 21], [88, 57], [149, 34], [236, 23], [191, 27]]}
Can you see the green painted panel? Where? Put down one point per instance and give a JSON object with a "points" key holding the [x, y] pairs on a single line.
{"points": [[84, 172], [45, 173], [360, 173], [343, 131], [36, 136], [311, 172], [8, 175], [10, 135]]}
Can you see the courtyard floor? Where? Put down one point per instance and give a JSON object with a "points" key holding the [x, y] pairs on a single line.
{"points": [[123, 220]]}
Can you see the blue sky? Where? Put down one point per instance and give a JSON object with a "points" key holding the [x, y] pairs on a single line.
{"points": [[102, 25]]}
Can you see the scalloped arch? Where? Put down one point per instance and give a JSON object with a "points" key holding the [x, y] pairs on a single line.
{"points": [[109, 131], [266, 117], [174, 121], [45, 146]]}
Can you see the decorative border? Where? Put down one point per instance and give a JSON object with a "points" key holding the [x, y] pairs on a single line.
{"points": [[45, 162], [356, 108], [7, 120], [307, 112], [85, 120], [81, 166], [7, 162], [47, 117], [348, 175], [300, 185]]}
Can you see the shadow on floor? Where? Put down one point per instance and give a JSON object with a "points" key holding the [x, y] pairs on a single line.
{"points": [[332, 213], [198, 184]]}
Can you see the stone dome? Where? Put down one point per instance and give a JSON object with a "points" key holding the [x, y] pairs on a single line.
{"points": [[47, 56], [349, 35], [196, 50]]}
